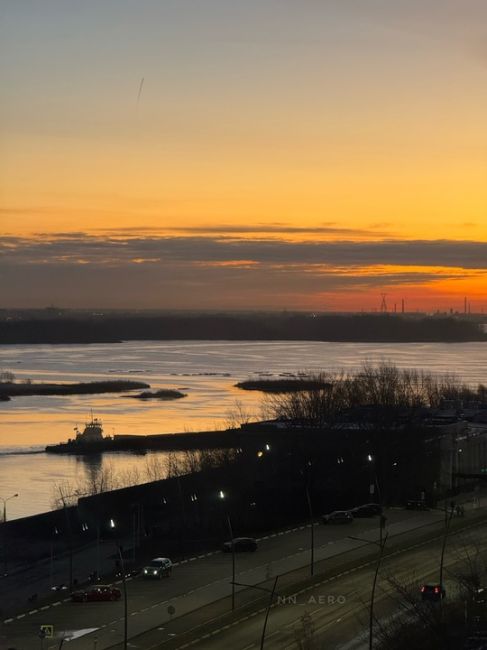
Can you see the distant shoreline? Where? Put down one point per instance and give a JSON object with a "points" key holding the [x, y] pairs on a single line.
{"points": [[85, 328]]}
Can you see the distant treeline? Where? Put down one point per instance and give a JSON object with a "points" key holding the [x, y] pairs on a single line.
{"points": [[90, 328]]}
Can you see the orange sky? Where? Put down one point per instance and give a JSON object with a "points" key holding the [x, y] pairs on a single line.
{"points": [[257, 121]]}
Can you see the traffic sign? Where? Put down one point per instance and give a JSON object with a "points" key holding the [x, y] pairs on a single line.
{"points": [[46, 631]]}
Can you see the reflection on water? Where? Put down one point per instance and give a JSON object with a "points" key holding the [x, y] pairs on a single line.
{"points": [[205, 370], [38, 478]]}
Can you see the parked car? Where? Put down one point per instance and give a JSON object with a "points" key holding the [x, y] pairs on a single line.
{"points": [[159, 567], [96, 594], [476, 642], [367, 510], [338, 517], [480, 595], [241, 544], [433, 593], [415, 504]]}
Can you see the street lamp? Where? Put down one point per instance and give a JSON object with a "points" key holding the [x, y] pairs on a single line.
{"points": [[381, 544], [269, 605], [5, 505], [222, 496], [372, 488], [112, 524]]}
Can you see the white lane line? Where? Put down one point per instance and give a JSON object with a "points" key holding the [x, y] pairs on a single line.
{"points": [[45, 607], [20, 616], [33, 611], [8, 620], [58, 602]]}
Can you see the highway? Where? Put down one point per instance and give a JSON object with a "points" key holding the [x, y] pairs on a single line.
{"points": [[199, 589]]}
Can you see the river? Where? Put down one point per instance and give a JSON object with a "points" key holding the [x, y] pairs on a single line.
{"points": [[205, 370]]}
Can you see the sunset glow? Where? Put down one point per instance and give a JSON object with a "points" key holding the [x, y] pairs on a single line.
{"points": [[266, 138]]}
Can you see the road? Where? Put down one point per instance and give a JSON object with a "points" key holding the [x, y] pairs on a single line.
{"points": [[199, 588]]}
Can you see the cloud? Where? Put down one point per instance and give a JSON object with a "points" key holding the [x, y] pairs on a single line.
{"points": [[109, 251], [216, 272]]}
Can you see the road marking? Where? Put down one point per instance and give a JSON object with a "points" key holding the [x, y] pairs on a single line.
{"points": [[33, 611], [8, 620], [58, 602], [45, 607], [20, 616]]}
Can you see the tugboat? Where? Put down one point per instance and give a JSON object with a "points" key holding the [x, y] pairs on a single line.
{"points": [[90, 440], [93, 432]]}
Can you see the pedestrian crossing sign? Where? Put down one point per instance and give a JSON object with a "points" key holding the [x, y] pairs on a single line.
{"points": [[47, 631]]}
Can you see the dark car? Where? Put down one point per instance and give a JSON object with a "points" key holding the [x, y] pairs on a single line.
{"points": [[480, 595], [416, 504], [96, 594], [433, 593], [367, 510], [241, 544], [338, 517], [476, 642]]}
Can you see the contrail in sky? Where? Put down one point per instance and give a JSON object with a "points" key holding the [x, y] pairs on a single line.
{"points": [[140, 90]]}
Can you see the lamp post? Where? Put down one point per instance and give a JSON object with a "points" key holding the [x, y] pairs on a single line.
{"points": [[269, 605], [381, 546], [113, 526], [5, 505], [442, 558], [222, 496], [372, 488], [312, 540], [4, 536]]}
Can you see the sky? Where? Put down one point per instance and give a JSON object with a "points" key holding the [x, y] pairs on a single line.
{"points": [[221, 154]]}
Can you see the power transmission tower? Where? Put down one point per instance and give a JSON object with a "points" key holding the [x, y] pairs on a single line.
{"points": [[383, 304]]}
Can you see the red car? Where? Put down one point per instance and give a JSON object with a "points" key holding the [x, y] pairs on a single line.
{"points": [[95, 594]]}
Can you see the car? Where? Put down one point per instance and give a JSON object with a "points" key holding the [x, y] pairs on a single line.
{"points": [[433, 592], [338, 517], [367, 510], [159, 567], [476, 642], [96, 594], [416, 504], [480, 595], [240, 544]]}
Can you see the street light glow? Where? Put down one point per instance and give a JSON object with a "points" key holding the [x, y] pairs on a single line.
{"points": [[112, 523], [221, 494]]}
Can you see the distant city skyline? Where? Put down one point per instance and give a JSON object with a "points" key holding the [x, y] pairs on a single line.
{"points": [[243, 155]]}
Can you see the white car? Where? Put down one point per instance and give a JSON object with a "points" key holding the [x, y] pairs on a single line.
{"points": [[159, 567]]}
